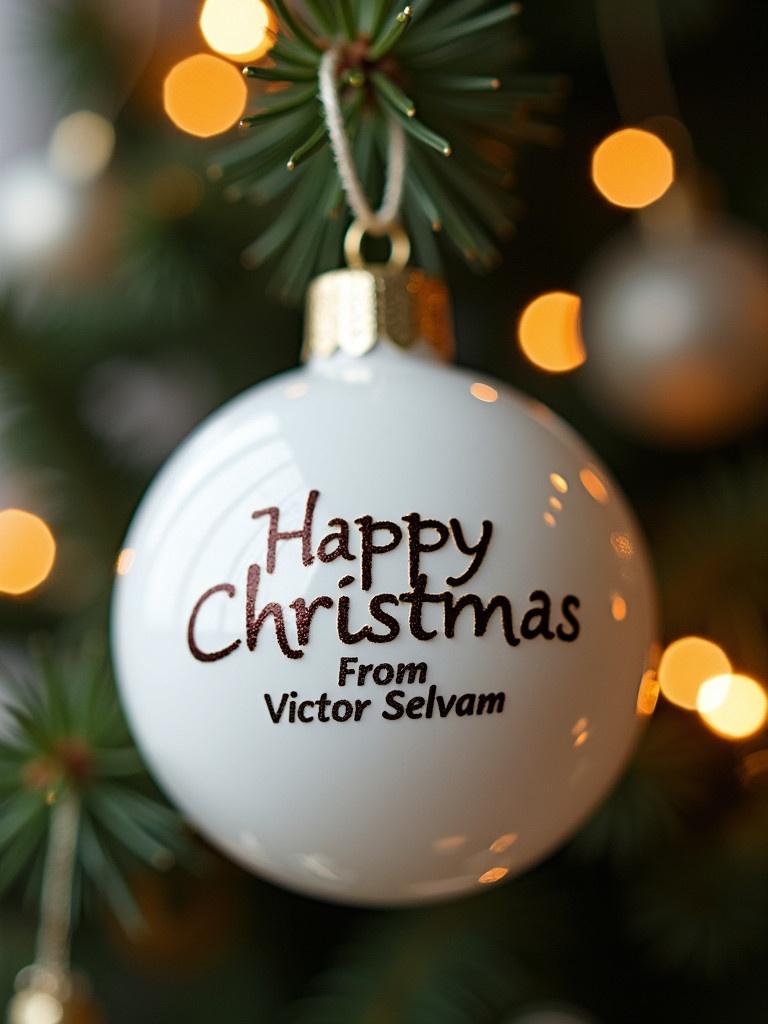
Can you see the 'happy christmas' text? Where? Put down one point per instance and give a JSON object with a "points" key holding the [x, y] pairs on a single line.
{"points": [[379, 537]]}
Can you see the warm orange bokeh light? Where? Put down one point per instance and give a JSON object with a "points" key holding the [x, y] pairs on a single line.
{"points": [[688, 663], [632, 168], [733, 706], [493, 875], [593, 485], [124, 561], [549, 332], [503, 843], [204, 95], [27, 551], [618, 607], [622, 545], [484, 392], [241, 29], [559, 482], [648, 693]]}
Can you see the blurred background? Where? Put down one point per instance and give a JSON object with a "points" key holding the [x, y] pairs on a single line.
{"points": [[632, 297]]}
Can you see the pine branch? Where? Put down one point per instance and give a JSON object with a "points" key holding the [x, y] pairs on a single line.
{"points": [[444, 71], [69, 746]]}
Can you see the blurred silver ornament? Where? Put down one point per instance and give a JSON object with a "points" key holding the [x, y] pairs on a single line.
{"points": [[676, 331]]}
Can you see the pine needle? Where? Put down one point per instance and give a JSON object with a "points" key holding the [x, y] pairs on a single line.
{"points": [[445, 71]]}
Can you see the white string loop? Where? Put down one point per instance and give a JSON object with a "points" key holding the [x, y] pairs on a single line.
{"points": [[374, 222]]}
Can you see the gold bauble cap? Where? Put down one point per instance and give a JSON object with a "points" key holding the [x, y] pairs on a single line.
{"points": [[351, 310]]}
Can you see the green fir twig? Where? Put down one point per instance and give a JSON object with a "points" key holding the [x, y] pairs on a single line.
{"points": [[445, 71], [68, 746]]}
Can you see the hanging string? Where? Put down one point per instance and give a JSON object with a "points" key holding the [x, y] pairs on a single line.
{"points": [[374, 222]]}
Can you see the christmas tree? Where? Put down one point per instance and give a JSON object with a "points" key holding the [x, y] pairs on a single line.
{"points": [[170, 183]]}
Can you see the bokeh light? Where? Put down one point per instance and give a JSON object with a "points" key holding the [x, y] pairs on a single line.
{"points": [[622, 545], [483, 392], [593, 485], [559, 482], [204, 95], [648, 693], [549, 332], [632, 168], [27, 551], [503, 843], [733, 706], [493, 875], [81, 146], [241, 29], [124, 561], [686, 665], [618, 607], [37, 212]]}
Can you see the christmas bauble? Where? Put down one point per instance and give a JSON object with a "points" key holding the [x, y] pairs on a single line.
{"points": [[381, 626], [676, 331]]}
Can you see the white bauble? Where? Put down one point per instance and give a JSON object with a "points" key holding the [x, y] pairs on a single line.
{"points": [[676, 331], [457, 787]]}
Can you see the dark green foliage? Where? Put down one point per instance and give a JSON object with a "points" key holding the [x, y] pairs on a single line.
{"points": [[67, 732], [656, 911], [443, 71], [713, 560], [663, 792], [455, 964]]}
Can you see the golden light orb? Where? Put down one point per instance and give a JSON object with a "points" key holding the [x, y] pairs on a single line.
{"points": [[732, 706], [648, 693], [204, 95], [593, 485], [493, 875], [124, 561], [483, 392], [559, 482], [632, 168], [82, 145], [27, 551], [243, 30], [686, 665], [549, 332]]}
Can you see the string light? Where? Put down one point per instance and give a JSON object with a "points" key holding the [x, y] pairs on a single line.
{"points": [[81, 146], [732, 706], [632, 168], [241, 29], [204, 95], [549, 332], [27, 551], [688, 663]]}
